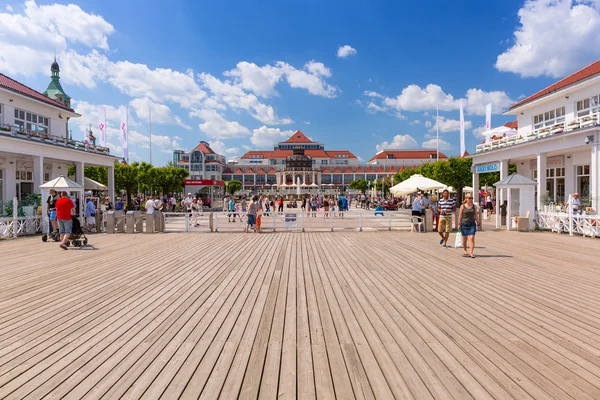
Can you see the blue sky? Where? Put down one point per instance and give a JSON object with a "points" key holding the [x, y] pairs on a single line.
{"points": [[243, 76]]}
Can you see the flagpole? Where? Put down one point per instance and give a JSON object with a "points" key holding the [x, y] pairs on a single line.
{"points": [[127, 137], [437, 141], [150, 120]]}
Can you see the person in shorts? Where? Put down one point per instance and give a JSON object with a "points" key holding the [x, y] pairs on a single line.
{"points": [[64, 209], [52, 210], [252, 212], [446, 206]]}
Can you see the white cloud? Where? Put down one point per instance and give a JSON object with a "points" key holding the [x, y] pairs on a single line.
{"points": [[478, 99], [428, 124], [554, 39], [433, 143], [236, 98], [415, 122], [345, 51], [478, 132], [399, 142], [218, 127], [311, 79], [449, 125], [8, 8], [259, 80], [372, 108], [415, 98], [220, 148], [145, 108], [370, 93], [232, 150], [265, 137]]}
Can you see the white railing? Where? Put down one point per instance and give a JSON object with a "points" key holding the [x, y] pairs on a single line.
{"points": [[541, 132], [562, 222], [20, 226], [289, 220]]}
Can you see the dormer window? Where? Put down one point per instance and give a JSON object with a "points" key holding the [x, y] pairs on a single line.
{"points": [[391, 156]]}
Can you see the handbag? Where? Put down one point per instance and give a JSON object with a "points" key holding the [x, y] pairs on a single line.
{"points": [[458, 239]]}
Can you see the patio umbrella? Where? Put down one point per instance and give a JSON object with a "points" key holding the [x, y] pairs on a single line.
{"points": [[468, 189], [414, 183], [500, 131], [313, 184]]}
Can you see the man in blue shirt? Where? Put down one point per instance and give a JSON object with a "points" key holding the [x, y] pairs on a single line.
{"points": [[119, 205]]}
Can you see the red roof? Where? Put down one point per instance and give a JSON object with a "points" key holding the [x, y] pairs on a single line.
{"points": [[203, 147], [264, 154], [337, 171], [333, 153], [380, 169], [578, 76], [391, 169], [368, 169], [18, 87], [298, 137], [238, 171], [326, 170], [348, 170], [512, 125], [314, 153], [260, 171], [272, 170], [249, 171], [406, 154], [227, 170]]}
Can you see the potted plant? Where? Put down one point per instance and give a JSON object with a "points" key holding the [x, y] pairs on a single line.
{"points": [[5, 128], [30, 203], [573, 125]]}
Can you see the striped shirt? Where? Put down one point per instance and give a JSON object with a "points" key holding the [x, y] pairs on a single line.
{"points": [[446, 206]]}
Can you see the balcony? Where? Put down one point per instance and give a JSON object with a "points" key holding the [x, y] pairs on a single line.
{"points": [[42, 137], [541, 132]]}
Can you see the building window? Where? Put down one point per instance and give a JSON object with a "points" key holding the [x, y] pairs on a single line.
{"points": [[324, 161], [587, 106], [272, 162], [549, 118], [555, 184], [31, 122]]}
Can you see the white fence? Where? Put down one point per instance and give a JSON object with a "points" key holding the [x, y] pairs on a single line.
{"points": [[20, 226], [586, 225], [289, 221]]}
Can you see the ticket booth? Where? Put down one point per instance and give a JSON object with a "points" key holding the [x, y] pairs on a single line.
{"points": [[212, 192]]}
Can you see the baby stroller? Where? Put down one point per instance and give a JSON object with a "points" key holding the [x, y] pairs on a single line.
{"points": [[76, 234]]}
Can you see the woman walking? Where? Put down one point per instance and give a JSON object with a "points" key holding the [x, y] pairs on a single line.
{"points": [[468, 224]]}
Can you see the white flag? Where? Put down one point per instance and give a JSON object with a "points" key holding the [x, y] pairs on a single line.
{"points": [[124, 130], [488, 117], [86, 138], [102, 126], [462, 131]]}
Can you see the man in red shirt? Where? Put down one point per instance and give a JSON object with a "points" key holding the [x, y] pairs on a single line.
{"points": [[280, 204], [64, 210]]}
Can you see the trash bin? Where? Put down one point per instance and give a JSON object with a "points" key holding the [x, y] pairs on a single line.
{"points": [[503, 213], [130, 222], [110, 222]]}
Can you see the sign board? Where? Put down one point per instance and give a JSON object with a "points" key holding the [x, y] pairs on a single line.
{"points": [[203, 182], [482, 169], [290, 221], [551, 162]]}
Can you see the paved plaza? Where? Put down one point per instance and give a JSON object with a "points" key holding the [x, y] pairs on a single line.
{"points": [[301, 315]]}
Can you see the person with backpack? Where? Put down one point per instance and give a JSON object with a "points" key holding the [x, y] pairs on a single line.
{"points": [[231, 209], [340, 204]]}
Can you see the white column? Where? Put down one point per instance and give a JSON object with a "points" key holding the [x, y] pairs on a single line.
{"points": [[475, 185], [570, 180], [541, 181], [500, 193], [79, 179], [38, 173], [10, 180], [595, 176], [111, 183]]}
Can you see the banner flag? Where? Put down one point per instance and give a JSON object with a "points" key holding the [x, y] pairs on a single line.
{"points": [[462, 131], [488, 120], [124, 133], [102, 126]]}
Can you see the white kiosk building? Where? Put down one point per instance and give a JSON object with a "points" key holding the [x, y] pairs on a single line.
{"points": [[557, 143], [35, 141]]}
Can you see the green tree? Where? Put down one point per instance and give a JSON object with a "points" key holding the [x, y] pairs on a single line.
{"points": [[98, 174], [233, 186], [126, 178], [359, 184], [455, 172]]}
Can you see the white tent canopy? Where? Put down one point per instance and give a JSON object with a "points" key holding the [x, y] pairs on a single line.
{"points": [[61, 184], [414, 183], [500, 131], [91, 184]]}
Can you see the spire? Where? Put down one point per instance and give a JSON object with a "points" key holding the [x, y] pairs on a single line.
{"points": [[55, 90]]}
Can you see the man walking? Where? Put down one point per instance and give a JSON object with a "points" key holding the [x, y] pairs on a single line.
{"points": [[446, 206], [64, 209]]}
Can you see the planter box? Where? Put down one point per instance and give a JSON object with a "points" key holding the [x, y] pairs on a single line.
{"points": [[588, 123]]}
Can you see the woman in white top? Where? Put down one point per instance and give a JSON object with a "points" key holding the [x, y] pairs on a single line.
{"points": [[150, 205]]}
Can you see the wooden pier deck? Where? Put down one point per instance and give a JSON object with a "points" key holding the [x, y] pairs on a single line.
{"points": [[301, 315]]}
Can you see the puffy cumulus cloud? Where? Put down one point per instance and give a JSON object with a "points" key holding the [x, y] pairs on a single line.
{"points": [[414, 98], [145, 109], [478, 99], [8, 8], [89, 115], [433, 144], [311, 78], [428, 124], [478, 132], [259, 80], [554, 38], [262, 80], [236, 98], [216, 126], [345, 51], [399, 142], [449, 125], [220, 148], [415, 122], [266, 137]]}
